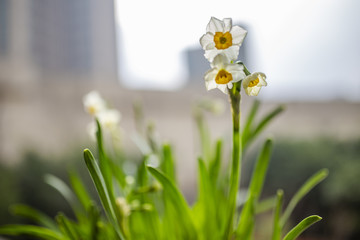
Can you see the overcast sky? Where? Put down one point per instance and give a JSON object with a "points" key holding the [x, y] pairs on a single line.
{"points": [[309, 49]]}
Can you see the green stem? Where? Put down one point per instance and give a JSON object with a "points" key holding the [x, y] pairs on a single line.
{"points": [[235, 98]]}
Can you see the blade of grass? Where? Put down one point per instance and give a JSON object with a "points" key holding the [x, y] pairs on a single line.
{"points": [[305, 188], [302, 226], [277, 212]]}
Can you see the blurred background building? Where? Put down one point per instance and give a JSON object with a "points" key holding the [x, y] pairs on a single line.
{"points": [[53, 52]]}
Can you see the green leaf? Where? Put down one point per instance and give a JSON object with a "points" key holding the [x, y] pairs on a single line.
{"points": [[207, 201], [178, 203], [80, 190], [102, 190], [246, 222], [276, 225], [265, 205], [249, 122], [40, 232], [263, 123], [67, 227], [168, 164], [34, 215], [305, 188], [62, 188], [215, 164], [302, 226]]}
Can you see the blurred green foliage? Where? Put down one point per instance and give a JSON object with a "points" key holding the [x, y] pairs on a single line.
{"points": [[337, 198], [293, 161]]}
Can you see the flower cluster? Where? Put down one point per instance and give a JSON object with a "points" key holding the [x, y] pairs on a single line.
{"points": [[222, 43], [96, 106]]}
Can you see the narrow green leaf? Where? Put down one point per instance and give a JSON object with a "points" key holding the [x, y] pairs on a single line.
{"points": [[36, 231], [305, 188], [67, 227], [277, 212], [249, 122], [80, 190], [265, 205], [62, 188], [173, 195], [34, 215], [215, 164], [302, 226], [168, 164], [207, 201], [102, 190], [263, 123], [256, 184]]}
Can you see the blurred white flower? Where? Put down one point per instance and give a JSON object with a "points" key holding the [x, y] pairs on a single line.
{"points": [[253, 83], [109, 119], [223, 74], [91, 130], [222, 37], [94, 103], [123, 206]]}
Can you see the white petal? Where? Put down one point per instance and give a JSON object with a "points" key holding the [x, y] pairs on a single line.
{"points": [[220, 61], [232, 52], [238, 34], [215, 25], [211, 54], [210, 79], [210, 85], [238, 76], [207, 41], [227, 24], [223, 88]]}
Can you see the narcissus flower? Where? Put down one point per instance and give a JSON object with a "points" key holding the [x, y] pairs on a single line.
{"points": [[222, 37], [253, 83], [109, 119], [223, 74], [93, 103]]}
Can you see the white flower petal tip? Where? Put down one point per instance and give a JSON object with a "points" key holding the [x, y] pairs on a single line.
{"points": [[94, 103], [222, 38], [223, 74], [253, 83]]}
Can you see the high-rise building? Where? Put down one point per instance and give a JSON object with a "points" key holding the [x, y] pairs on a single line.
{"points": [[55, 40]]}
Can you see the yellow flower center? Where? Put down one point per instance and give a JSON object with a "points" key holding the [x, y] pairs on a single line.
{"points": [[92, 110], [253, 83], [223, 77], [222, 40]]}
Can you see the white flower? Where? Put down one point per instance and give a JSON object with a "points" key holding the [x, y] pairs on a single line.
{"points": [[109, 119], [253, 83], [223, 74], [222, 37], [93, 103]]}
